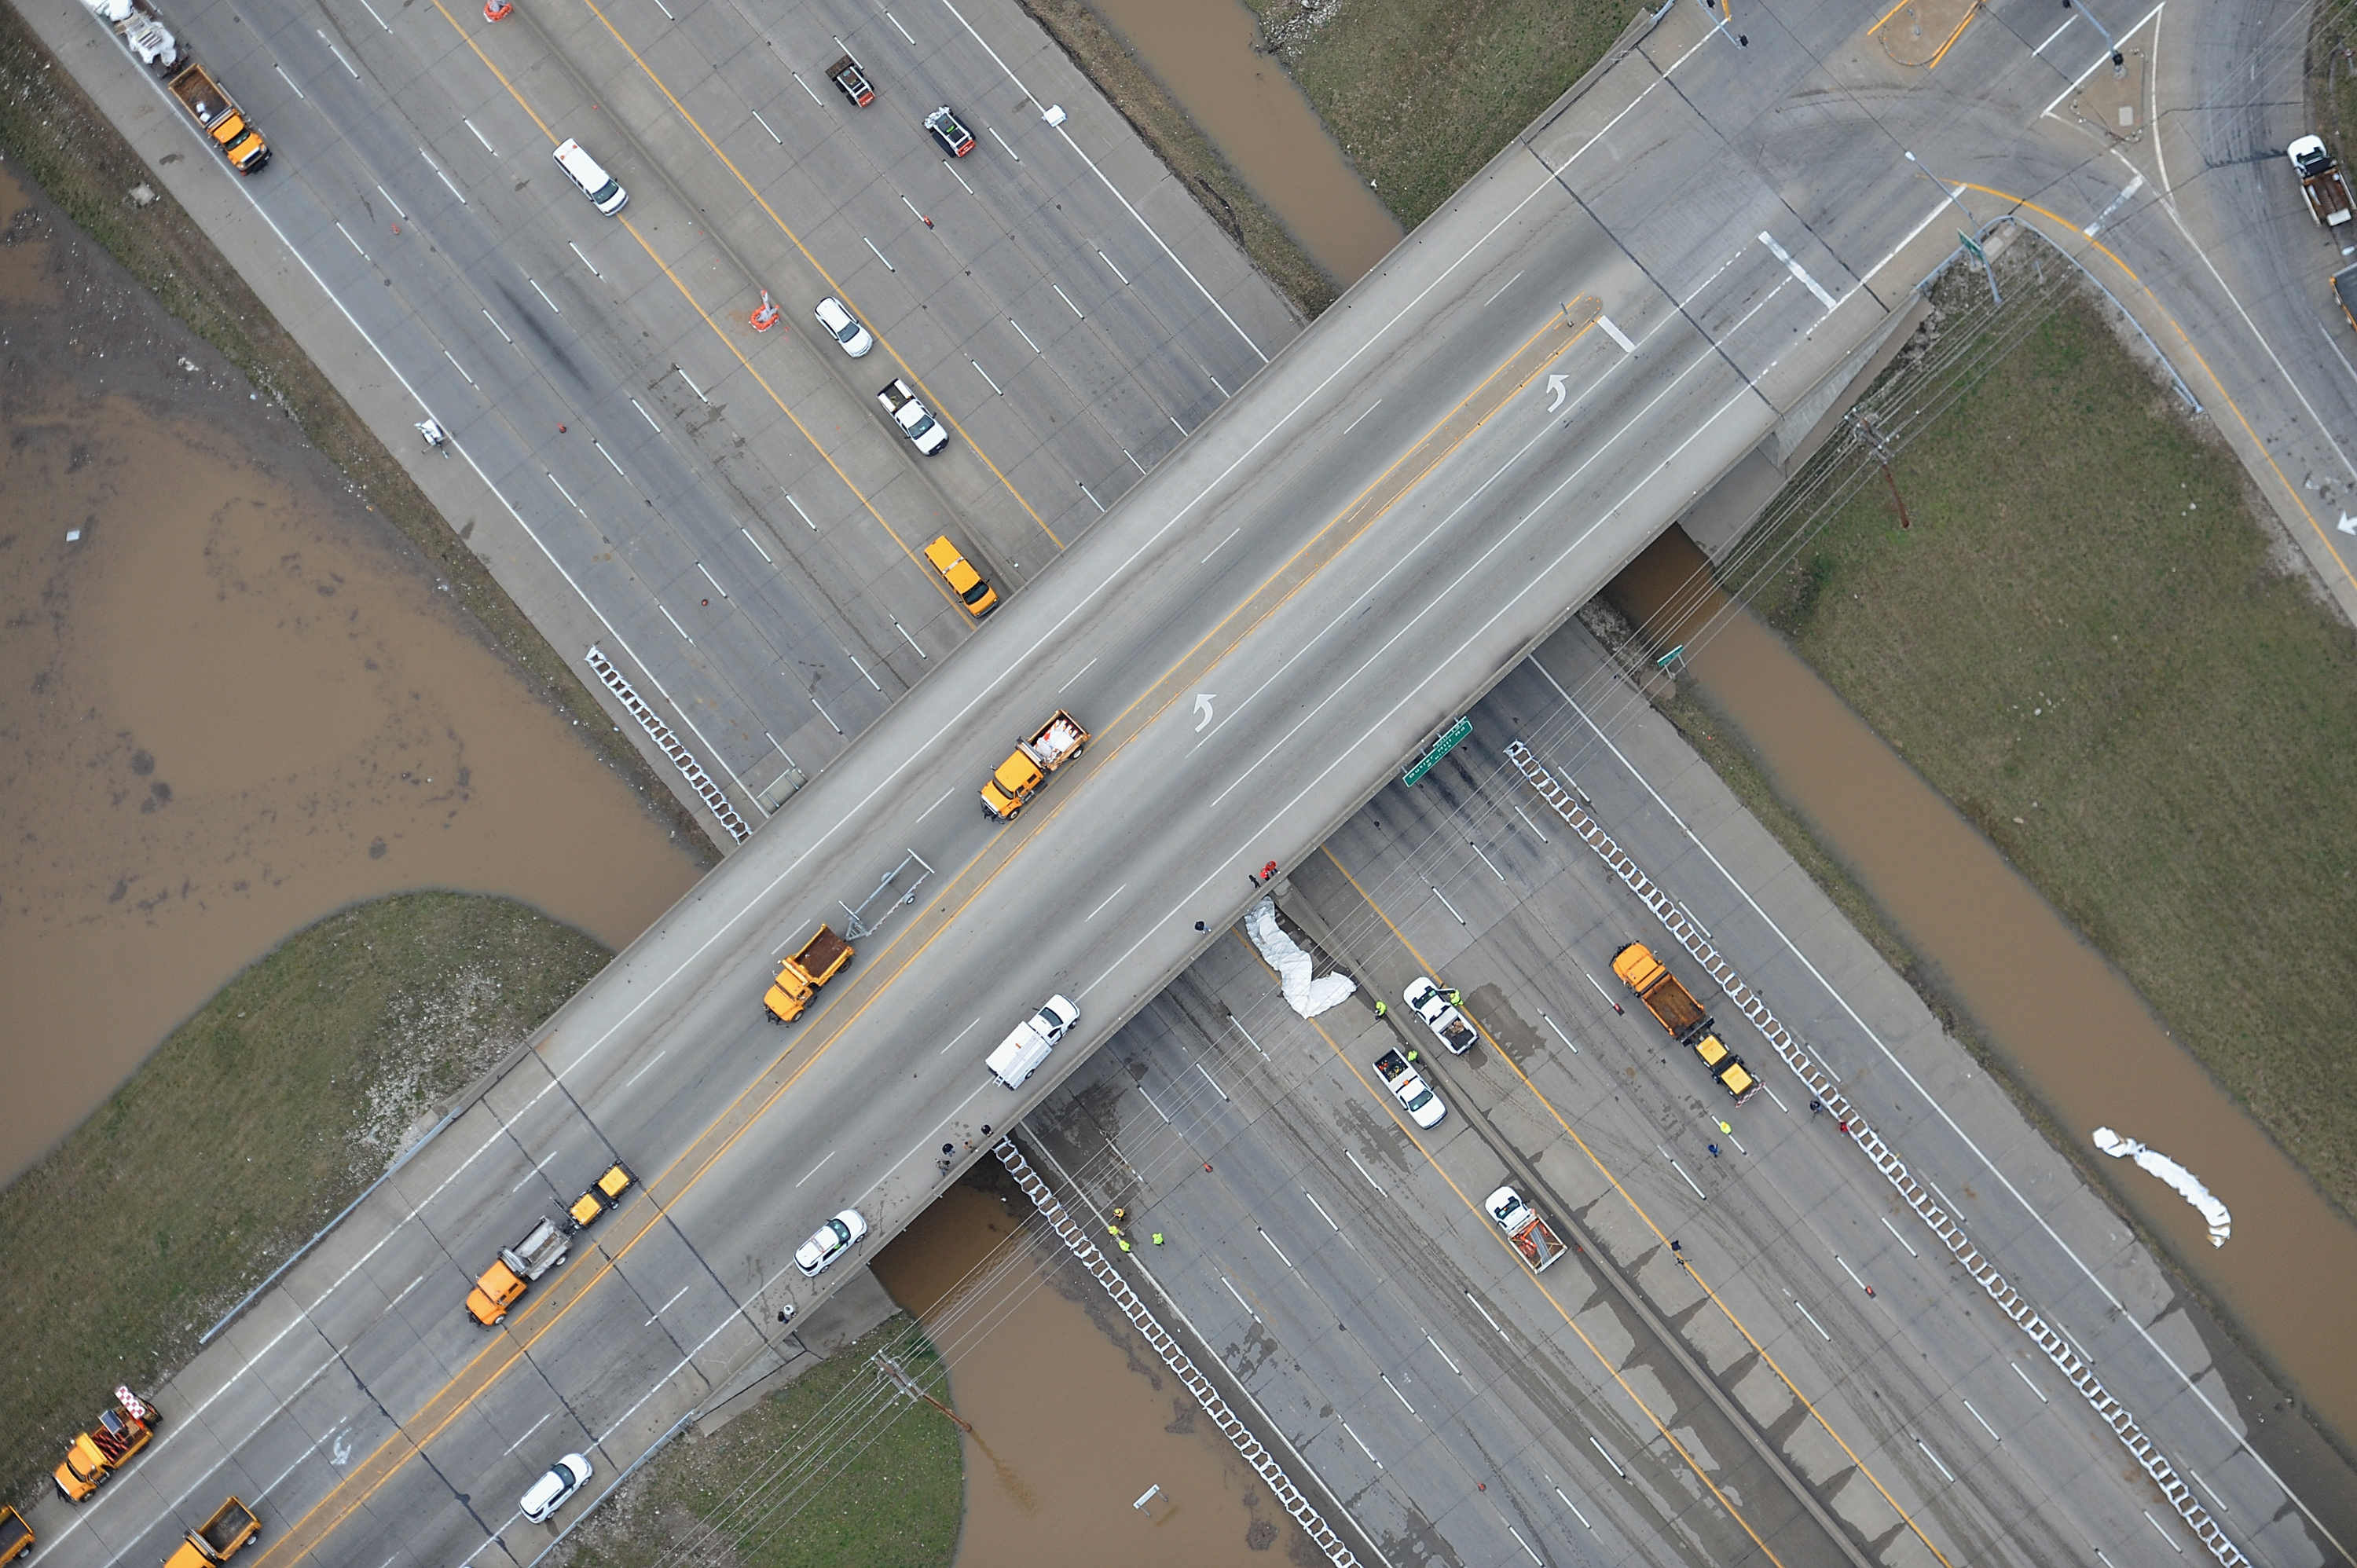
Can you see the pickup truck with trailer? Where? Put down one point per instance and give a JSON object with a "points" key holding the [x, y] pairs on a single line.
{"points": [[224, 123], [1424, 1107], [1432, 1005], [1025, 774], [16, 1535], [1674, 1007], [2320, 181], [1525, 1228], [543, 1246], [1019, 1055], [851, 81], [799, 978], [122, 1431], [910, 416], [217, 1540], [603, 1194]]}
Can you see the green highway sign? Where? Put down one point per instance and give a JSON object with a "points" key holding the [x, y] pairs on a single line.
{"points": [[1449, 741], [1972, 247]]}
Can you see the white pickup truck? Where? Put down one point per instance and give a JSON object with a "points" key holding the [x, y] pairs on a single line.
{"points": [[900, 401], [1432, 1005], [1424, 1107], [1020, 1054], [1525, 1228]]}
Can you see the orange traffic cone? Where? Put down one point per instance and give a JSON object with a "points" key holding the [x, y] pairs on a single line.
{"points": [[497, 10], [767, 316]]}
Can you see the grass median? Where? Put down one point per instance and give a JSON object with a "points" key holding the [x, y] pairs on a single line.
{"points": [[252, 1125], [1420, 93], [2094, 644], [835, 1468]]}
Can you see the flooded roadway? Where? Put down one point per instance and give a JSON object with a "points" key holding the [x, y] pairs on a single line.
{"points": [[236, 703], [1202, 53], [1074, 1417], [2070, 1028]]}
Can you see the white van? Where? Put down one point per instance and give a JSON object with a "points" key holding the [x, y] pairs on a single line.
{"points": [[1020, 1054], [590, 175]]}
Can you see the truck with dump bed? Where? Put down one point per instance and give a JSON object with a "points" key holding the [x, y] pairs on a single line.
{"points": [[1670, 1003], [122, 1432], [1525, 1228], [217, 1540], [16, 1535], [1424, 1107], [799, 978], [223, 122], [603, 1194], [503, 1283], [2344, 289], [143, 34], [1025, 774], [1677, 1011], [2320, 181]]}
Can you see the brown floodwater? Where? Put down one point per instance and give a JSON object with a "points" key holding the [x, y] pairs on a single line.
{"points": [[1202, 53], [2073, 1030], [1074, 1417], [236, 703]]}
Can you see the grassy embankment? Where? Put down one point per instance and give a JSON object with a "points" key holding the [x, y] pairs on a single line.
{"points": [[1164, 126], [762, 1493], [53, 134], [2094, 647], [1420, 93], [252, 1126]]}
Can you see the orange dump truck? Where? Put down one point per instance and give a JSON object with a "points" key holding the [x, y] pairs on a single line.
{"points": [[1025, 774], [95, 1455], [225, 124], [799, 978], [217, 1540], [543, 1246], [16, 1535], [1676, 1010]]}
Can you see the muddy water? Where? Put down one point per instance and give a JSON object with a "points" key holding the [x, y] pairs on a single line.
{"points": [[236, 704], [1074, 1417], [2072, 1028], [1201, 52]]}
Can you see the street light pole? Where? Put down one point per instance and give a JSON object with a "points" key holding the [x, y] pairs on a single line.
{"points": [[1971, 243]]}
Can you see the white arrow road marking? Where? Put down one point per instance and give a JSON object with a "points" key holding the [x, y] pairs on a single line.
{"points": [[1203, 707], [1556, 385], [2347, 523]]}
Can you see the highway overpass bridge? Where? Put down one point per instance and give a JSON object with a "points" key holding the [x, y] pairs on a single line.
{"points": [[1624, 304]]}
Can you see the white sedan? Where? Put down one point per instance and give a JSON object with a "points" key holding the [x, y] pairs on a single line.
{"points": [[835, 1238], [844, 327]]}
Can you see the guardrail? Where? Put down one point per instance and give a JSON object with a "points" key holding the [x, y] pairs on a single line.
{"points": [[684, 759], [1076, 1237], [1822, 1084]]}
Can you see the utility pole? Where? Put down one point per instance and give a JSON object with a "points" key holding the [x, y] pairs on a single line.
{"points": [[1881, 450], [908, 1386]]}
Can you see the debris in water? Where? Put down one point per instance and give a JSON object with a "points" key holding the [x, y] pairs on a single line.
{"points": [[2187, 1185]]}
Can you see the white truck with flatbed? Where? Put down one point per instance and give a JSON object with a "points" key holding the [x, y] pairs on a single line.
{"points": [[1538, 1245]]}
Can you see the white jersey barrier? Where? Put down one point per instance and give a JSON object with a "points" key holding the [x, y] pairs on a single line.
{"points": [[1822, 1084], [1305, 1513]]}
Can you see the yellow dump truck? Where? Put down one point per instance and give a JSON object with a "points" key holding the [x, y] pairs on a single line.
{"points": [[211, 106], [1675, 1009], [16, 1535], [217, 1540], [97, 1454], [799, 978], [603, 1194], [503, 1283], [1025, 774]]}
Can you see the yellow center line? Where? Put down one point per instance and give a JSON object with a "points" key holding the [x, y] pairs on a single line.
{"points": [[832, 288], [2224, 396], [717, 331], [1491, 1229], [1659, 1234], [293, 1536]]}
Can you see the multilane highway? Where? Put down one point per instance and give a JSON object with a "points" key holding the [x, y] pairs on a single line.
{"points": [[1385, 521]]}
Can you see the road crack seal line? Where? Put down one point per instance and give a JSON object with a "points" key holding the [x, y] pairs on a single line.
{"points": [[2011, 1302]]}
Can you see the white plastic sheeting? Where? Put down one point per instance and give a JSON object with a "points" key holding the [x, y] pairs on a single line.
{"points": [[2188, 1186], [1306, 996]]}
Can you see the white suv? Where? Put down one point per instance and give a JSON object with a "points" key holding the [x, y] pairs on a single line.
{"points": [[844, 327], [545, 1495]]}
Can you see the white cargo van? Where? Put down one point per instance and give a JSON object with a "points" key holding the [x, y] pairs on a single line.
{"points": [[1020, 1054], [586, 172]]}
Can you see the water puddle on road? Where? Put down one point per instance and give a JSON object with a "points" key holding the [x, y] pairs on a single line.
{"points": [[2072, 1027], [1201, 52], [1074, 1417], [236, 703]]}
